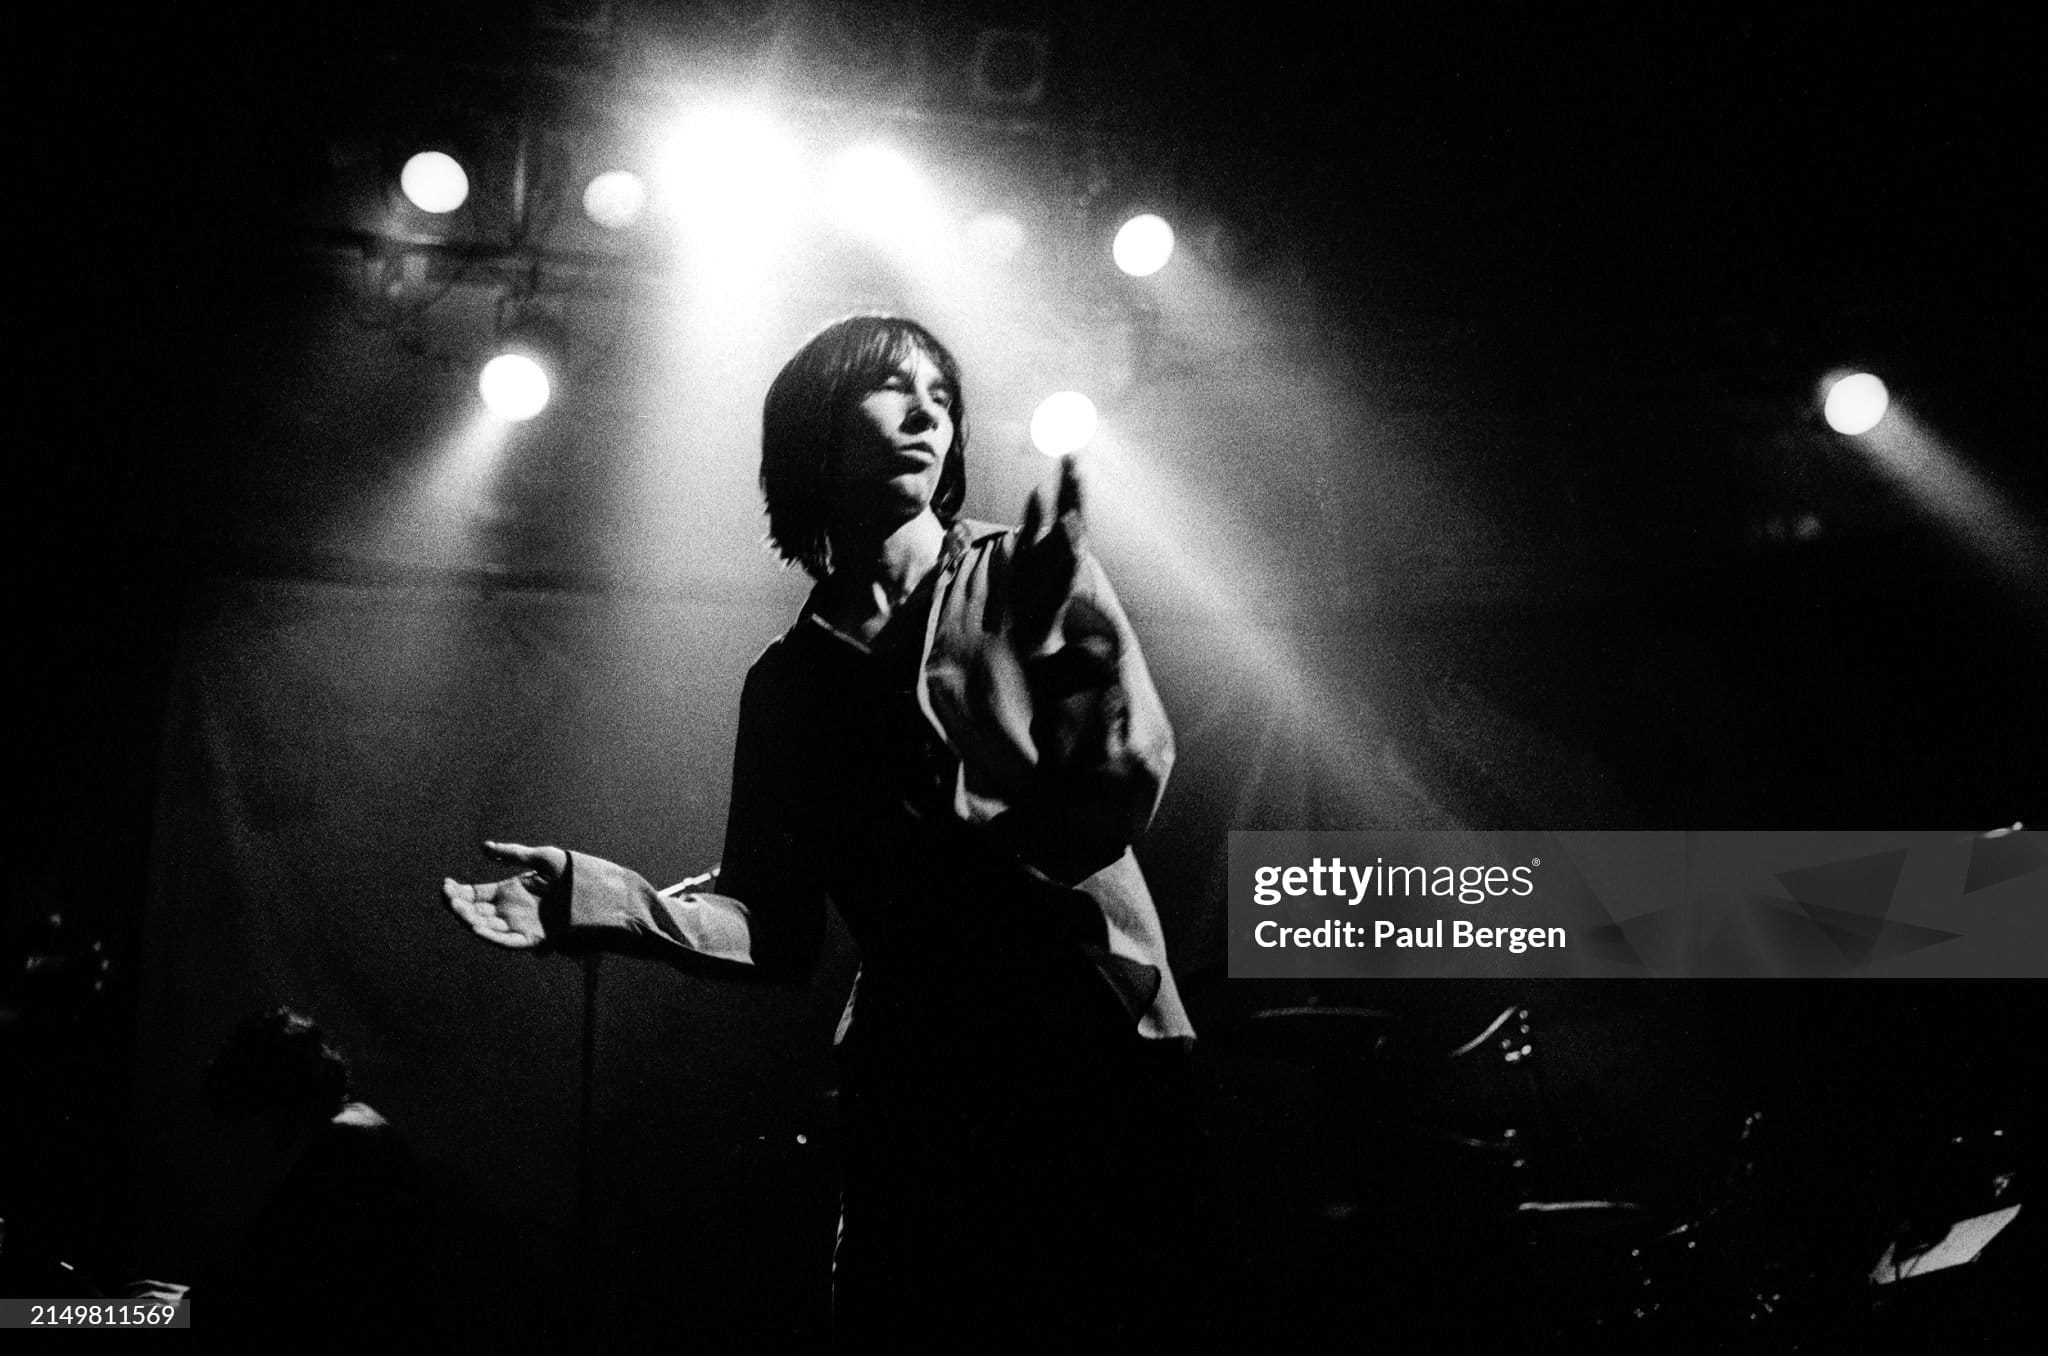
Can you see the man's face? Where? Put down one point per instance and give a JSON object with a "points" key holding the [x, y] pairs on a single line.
{"points": [[893, 443]]}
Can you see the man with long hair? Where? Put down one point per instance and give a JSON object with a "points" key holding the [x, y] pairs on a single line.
{"points": [[956, 743]]}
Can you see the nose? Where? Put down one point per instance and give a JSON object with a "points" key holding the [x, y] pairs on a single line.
{"points": [[923, 413]]}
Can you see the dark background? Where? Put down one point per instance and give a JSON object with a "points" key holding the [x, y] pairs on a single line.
{"points": [[1505, 382]]}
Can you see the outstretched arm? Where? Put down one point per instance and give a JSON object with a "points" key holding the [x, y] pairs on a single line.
{"points": [[775, 932], [519, 911], [508, 912]]}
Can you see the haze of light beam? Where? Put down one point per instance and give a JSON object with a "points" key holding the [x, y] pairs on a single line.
{"points": [[1135, 497], [732, 177], [1951, 491], [436, 522], [948, 263], [1234, 330], [875, 192], [684, 487], [994, 238], [732, 183]]}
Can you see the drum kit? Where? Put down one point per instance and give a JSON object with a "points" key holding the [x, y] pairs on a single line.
{"points": [[1416, 1178]]}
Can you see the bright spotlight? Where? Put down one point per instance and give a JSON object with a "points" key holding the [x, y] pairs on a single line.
{"points": [[1063, 423], [1143, 245], [434, 181], [733, 171], [613, 199], [875, 191], [1855, 403], [514, 386]]}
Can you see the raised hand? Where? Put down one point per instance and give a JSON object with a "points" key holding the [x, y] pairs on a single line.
{"points": [[1066, 508], [1047, 554], [507, 912]]}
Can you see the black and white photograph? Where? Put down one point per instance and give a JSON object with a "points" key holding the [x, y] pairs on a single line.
{"points": [[866, 675]]}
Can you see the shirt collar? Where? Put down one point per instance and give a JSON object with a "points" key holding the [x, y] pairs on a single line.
{"points": [[961, 537]]}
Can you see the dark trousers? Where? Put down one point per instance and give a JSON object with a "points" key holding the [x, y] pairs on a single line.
{"points": [[1019, 1191]]}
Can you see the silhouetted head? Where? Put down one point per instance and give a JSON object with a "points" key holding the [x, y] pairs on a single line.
{"points": [[277, 1064]]}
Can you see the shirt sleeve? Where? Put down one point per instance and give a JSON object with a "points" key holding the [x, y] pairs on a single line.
{"points": [[1039, 683], [1102, 737], [767, 907], [605, 895]]}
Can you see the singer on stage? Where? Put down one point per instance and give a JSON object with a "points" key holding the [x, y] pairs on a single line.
{"points": [[956, 743]]}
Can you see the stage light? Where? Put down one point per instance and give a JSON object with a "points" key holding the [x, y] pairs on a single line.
{"points": [[1855, 403], [613, 199], [434, 181], [874, 191], [995, 238], [1143, 245], [732, 172], [514, 386], [1063, 423]]}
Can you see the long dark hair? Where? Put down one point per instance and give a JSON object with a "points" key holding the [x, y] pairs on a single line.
{"points": [[800, 421]]}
